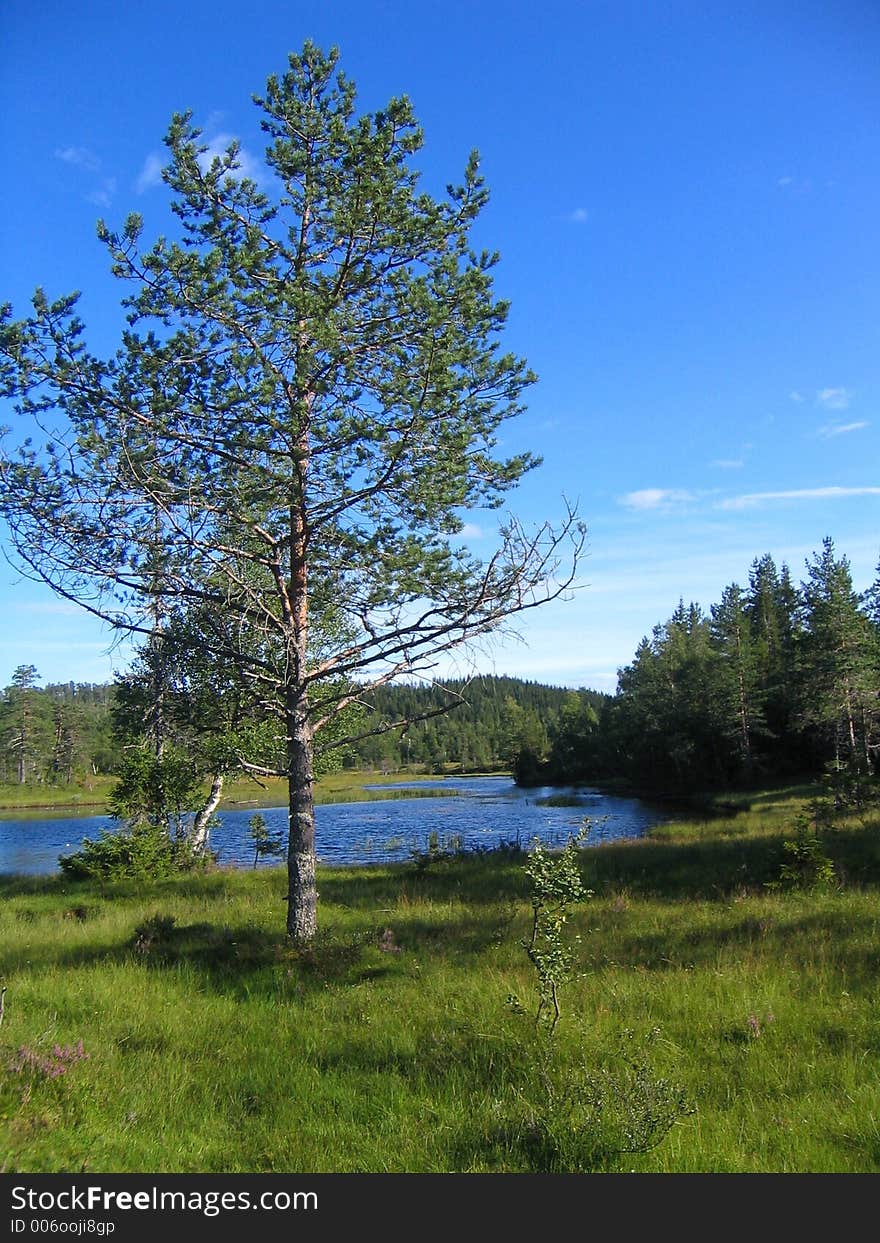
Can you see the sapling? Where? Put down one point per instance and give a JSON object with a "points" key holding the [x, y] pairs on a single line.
{"points": [[556, 885], [265, 842]]}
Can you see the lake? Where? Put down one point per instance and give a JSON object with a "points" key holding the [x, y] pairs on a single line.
{"points": [[475, 812]]}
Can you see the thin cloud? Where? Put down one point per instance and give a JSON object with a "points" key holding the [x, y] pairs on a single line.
{"points": [[470, 530], [729, 463], [841, 429], [580, 215], [151, 173], [794, 395], [754, 499], [656, 498], [834, 398], [81, 157], [796, 185], [103, 196], [247, 165]]}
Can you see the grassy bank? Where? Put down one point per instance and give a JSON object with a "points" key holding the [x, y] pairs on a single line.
{"points": [[209, 1044], [90, 795]]}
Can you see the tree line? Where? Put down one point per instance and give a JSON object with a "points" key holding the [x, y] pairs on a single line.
{"points": [[63, 732], [777, 679], [57, 734]]}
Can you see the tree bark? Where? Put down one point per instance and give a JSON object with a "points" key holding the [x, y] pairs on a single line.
{"points": [[302, 894], [201, 824]]}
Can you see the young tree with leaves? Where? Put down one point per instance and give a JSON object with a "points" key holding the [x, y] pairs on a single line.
{"points": [[305, 402]]}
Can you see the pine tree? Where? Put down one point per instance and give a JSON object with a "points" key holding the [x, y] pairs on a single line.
{"points": [[840, 684], [307, 398], [735, 678]]}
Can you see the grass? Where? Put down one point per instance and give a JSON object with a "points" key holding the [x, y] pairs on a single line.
{"points": [[213, 1045], [86, 794]]}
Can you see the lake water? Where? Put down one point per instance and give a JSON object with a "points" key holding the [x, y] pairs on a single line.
{"points": [[477, 812]]}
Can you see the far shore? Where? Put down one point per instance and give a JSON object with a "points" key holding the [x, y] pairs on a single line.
{"points": [[345, 786]]}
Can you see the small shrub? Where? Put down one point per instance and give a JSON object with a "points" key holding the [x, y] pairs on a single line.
{"points": [[556, 884], [845, 789], [566, 1114], [805, 865], [36, 1064], [387, 943], [153, 932], [139, 853]]}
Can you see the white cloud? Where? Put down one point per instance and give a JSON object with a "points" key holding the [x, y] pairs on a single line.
{"points": [[841, 429], [580, 215], [795, 185], [151, 173], [656, 498], [729, 463], [834, 398], [81, 157], [216, 147], [796, 396], [470, 530], [754, 499], [103, 196]]}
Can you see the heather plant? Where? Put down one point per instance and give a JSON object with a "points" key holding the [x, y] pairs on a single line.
{"points": [[577, 1116], [35, 1063]]}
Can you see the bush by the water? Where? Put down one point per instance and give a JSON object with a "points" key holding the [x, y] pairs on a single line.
{"points": [[139, 852]]}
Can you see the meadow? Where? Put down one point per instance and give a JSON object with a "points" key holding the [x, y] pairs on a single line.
{"points": [[718, 1019]]}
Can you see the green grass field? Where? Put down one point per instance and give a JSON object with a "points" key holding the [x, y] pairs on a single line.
{"points": [[90, 794], [210, 1044]]}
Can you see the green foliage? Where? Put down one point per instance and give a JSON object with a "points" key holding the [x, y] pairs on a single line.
{"points": [[158, 791], [437, 849], [776, 681], [845, 789], [140, 852], [806, 864], [572, 1116], [556, 884], [56, 735], [266, 844]]}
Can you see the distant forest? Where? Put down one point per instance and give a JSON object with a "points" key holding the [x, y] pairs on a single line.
{"points": [[63, 732], [775, 680]]}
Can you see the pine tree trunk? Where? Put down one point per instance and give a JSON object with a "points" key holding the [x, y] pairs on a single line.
{"points": [[302, 895]]}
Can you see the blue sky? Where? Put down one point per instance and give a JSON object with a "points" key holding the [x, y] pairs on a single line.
{"points": [[685, 198]]}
